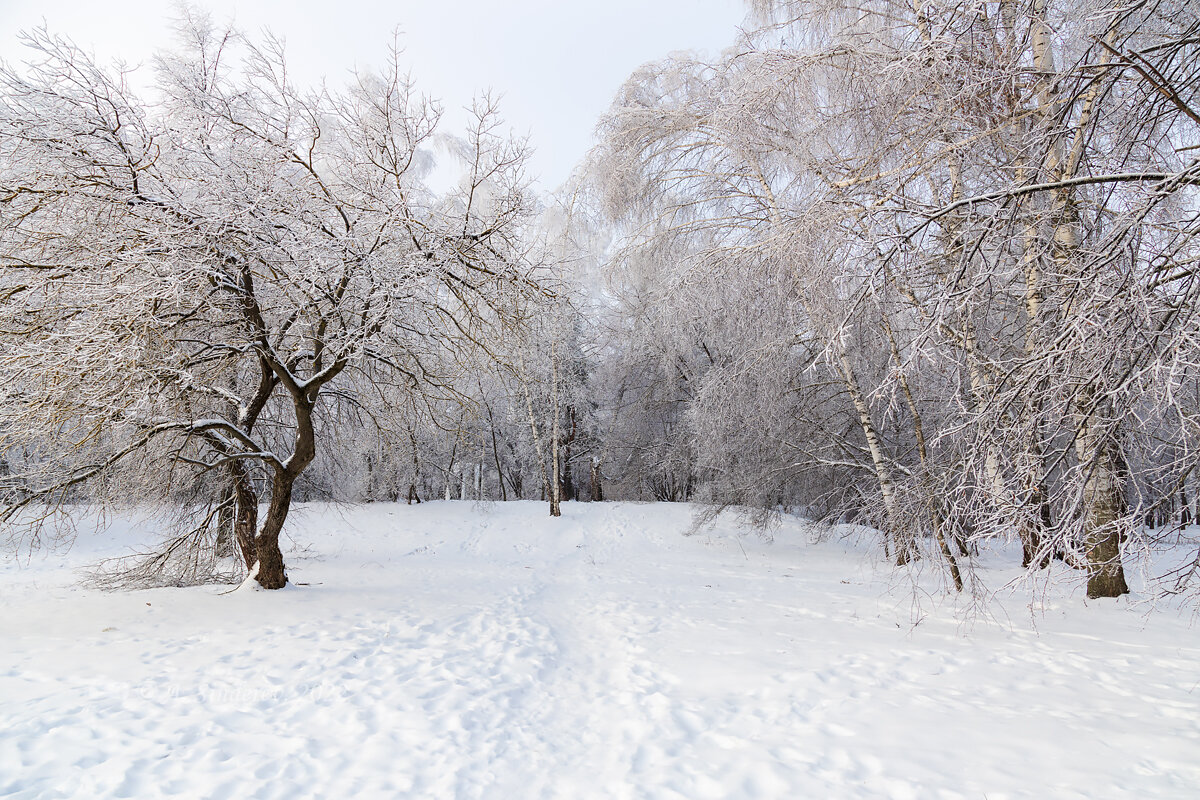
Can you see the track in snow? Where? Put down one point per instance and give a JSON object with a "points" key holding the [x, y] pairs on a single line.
{"points": [[453, 650]]}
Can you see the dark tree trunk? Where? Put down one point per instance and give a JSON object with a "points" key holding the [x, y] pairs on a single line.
{"points": [[499, 471], [224, 544], [271, 574], [961, 534], [939, 530], [555, 444], [1034, 507], [568, 480], [370, 478], [416, 460], [245, 518], [1103, 531], [496, 456], [1033, 530], [597, 490], [556, 488], [569, 491]]}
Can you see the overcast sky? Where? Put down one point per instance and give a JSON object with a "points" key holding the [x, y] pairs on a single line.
{"points": [[556, 62]]}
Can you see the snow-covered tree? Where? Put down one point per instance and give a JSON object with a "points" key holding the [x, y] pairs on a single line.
{"points": [[194, 284], [977, 228]]}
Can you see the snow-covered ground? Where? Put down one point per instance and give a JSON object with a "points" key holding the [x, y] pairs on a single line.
{"points": [[459, 650]]}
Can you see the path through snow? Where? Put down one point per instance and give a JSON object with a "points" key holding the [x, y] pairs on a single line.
{"points": [[452, 650]]}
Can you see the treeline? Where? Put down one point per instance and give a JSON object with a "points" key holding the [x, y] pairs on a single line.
{"points": [[924, 266], [931, 263]]}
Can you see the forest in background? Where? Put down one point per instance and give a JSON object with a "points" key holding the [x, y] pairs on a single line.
{"points": [[927, 266]]}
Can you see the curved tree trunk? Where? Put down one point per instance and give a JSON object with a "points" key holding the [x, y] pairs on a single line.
{"points": [[271, 574], [883, 472]]}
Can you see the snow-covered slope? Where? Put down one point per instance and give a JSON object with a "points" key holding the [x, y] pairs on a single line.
{"points": [[458, 650]]}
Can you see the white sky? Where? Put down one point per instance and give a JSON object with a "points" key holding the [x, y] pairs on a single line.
{"points": [[557, 63]]}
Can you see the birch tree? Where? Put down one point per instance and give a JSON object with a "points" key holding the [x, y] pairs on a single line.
{"points": [[980, 219]]}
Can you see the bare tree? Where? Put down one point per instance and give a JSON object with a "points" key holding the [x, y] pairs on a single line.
{"points": [[188, 282], [980, 225]]}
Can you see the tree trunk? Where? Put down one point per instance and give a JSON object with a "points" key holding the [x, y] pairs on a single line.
{"points": [[1103, 503], [882, 472], [271, 574], [939, 522], [416, 459], [555, 473], [450, 472], [245, 519], [597, 488], [537, 436], [496, 458], [224, 544], [1031, 529], [939, 530], [537, 442], [569, 491], [370, 498]]}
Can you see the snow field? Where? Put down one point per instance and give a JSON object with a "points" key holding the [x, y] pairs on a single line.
{"points": [[457, 650]]}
